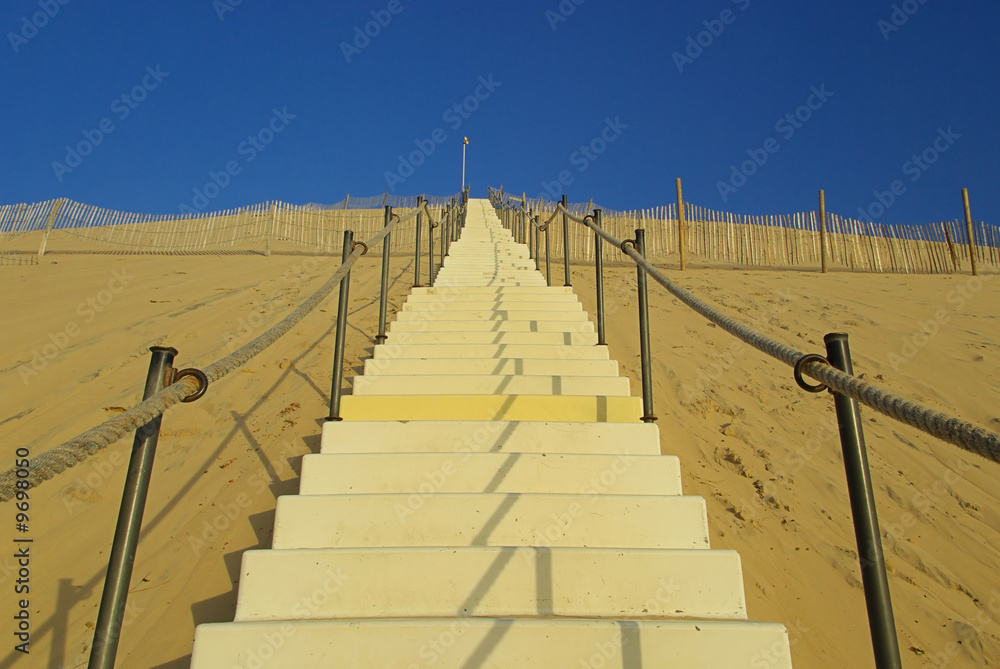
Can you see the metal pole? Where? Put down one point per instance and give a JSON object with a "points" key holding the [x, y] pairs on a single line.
{"points": [[565, 241], [538, 243], [384, 295], [338, 347], [968, 228], [447, 234], [430, 250], [464, 144], [822, 231], [599, 267], [140, 468], [548, 265], [866, 531], [416, 251], [647, 372], [526, 226], [681, 224], [444, 237]]}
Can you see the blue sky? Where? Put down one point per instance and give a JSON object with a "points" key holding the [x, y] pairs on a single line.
{"points": [[293, 101]]}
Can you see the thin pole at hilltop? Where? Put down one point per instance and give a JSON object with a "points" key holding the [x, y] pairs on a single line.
{"points": [[464, 144]]}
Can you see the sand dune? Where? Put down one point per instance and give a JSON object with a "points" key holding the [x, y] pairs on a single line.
{"points": [[763, 453]]}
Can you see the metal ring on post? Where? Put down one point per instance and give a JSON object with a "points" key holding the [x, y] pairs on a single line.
{"points": [[627, 241], [202, 382], [800, 365], [361, 244]]}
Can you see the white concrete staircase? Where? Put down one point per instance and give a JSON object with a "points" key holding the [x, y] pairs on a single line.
{"points": [[491, 500]]}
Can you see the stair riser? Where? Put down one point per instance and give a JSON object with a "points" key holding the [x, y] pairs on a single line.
{"points": [[490, 436], [574, 409], [425, 473], [490, 519], [489, 385], [450, 326], [511, 644], [529, 338], [501, 582]]}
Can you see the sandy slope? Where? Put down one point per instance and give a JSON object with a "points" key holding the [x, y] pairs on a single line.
{"points": [[763, 453]]}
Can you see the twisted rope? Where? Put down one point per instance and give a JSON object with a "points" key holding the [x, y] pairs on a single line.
{"points": [[564, 210], [71, 453], [944, 426]]}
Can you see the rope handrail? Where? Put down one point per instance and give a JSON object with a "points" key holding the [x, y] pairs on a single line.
{"points": [[71, 453], [946, 427], [566, 211]]}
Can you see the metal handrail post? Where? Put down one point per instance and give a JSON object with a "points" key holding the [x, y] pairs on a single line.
{"points": [[548, 264], [416, 250], [599, 268], [866, 530], [565, 240], [525, 225], [383, 299], [107, 631], [647, 370], [538, 243], [444, 238], [338, 347], [430, 250]]}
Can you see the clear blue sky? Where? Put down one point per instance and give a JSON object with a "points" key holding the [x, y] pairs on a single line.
{"points": [[210, 75]]}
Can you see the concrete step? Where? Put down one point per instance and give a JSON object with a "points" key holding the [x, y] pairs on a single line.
{"points": [[552, 408], [500, 272], [492, 290], [492, 305], [493, 582], [537, 338], [460, 282], [490, 519], [459, 297], [493, 315], [519, 366], [493, 351], [487, 260], [472, 384], [399, 327], [466, 436], [483, 642], [380, 473]]}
